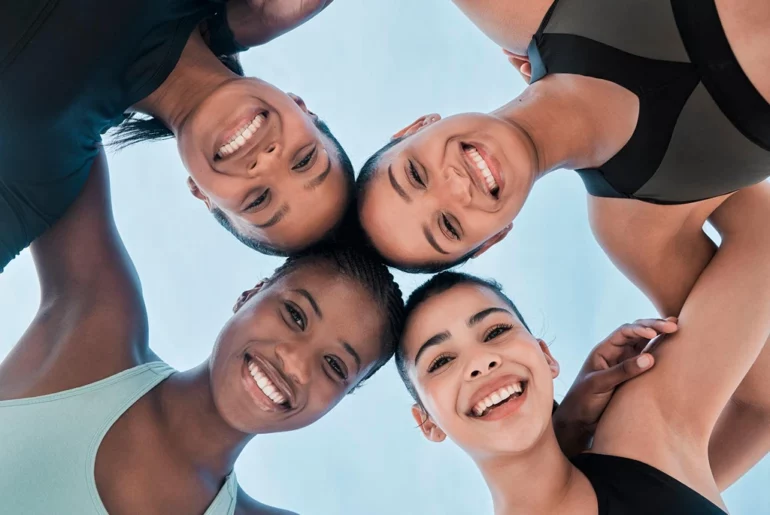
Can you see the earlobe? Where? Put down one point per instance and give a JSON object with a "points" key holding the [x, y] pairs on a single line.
{"points": [[301, 103], [248, 294], [491, 242], [552, 363], [417, 125], [429, 428], [197, 193]]}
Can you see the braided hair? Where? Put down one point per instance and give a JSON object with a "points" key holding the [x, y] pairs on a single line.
{"points": [[363, 266], [437, 285]]}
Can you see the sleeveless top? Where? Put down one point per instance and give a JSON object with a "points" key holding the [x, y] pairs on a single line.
{"points": [[69, 69], [629, 487], [48, 445], [703, 129]]}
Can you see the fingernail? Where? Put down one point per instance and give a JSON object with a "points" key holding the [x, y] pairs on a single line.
{"points": [[644, 361]]}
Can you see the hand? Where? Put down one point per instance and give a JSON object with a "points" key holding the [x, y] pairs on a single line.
{"points": [[620, 357], [521, 64], [276, 17]]}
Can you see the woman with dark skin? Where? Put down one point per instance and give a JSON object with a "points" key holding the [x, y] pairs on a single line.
{"points": [[69, 71], [481, 378], [287, 356], [586, 121]]}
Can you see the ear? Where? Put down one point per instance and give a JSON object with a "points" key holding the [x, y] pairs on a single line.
{"points": [[552, 363], [417, 125], [491, 242], [245, 296], [197, 193], [429, 428], [301, 103]]}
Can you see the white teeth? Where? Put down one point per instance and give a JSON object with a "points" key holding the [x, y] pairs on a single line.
{"points": [[264, 384], [483, 167], [243, 135], [496, 398]]}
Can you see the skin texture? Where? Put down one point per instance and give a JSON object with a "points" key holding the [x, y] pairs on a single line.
{"points": [[664, 418], [288, 168], [185, 434]]}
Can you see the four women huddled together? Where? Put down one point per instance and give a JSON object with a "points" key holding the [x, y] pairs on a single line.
{"points": [[661, 106]]}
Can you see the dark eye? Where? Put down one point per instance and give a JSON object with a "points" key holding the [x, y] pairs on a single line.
{"points": [[259, 200], [305, 160], [497, 331], [296, 316], [450, 227], [334, 363], [439, 362], [414, 174]]}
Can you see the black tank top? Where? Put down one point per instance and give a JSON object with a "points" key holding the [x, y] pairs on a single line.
{"points": [[68, 71], [629, 487], [703, 129]]}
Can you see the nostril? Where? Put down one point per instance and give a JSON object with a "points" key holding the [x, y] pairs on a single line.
{"points": [[475, 373], [271, 149], [253, 165], [493, 364]]}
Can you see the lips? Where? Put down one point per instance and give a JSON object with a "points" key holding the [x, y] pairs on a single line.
{"points": [[241, 134], [267, 385], [483, 169], [498, 398]]}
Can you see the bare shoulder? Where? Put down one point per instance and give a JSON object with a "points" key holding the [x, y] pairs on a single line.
{"points": [[246, 505]]}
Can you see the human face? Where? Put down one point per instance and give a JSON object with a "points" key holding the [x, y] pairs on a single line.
{"points": [[281, 182], [465, 346], [294, 348], [451, 186]]}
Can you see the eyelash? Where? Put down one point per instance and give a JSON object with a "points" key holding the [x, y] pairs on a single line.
{"points": [[497, 331], [336, 367], [450, 227], [305, 160], [296, 316], [438, 363], [415, 175], [259, 200]]}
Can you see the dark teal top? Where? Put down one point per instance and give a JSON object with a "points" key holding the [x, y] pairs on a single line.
{"points": [[69, 69]]}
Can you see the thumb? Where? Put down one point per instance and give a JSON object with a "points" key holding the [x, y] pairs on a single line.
{"points": [[611, 378]]}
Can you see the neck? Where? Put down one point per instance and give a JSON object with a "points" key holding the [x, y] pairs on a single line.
{"points": [[535, 481], [197, 74], [554, 124], [195, 429]]}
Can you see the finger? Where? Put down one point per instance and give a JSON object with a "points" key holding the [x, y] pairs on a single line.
{"points": [[604, 381], [668, 325]]}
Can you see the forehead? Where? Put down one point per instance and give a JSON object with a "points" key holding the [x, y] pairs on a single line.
{"points": [[448, 311]]}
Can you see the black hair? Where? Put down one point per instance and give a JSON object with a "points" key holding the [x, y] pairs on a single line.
{"points": [[135, 129], [437, 285], [363, 266], [362, 184]]}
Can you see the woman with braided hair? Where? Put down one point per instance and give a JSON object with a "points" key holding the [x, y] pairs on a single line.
{"points": [[142, 437]]}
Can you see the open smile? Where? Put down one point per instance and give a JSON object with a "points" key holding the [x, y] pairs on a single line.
{"points": [[266, 385], [242, 134], [483, 169], [500, 402]]}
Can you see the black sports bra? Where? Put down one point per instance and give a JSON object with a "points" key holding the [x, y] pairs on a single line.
{"points": [[703, 129]]}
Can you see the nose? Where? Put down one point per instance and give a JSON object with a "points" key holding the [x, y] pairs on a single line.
{"points": [[457, 186], [295, 360], [481, 365], [264, 159]]}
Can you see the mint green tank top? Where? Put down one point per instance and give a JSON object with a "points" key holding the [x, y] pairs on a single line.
{"points": [[48, 445]]}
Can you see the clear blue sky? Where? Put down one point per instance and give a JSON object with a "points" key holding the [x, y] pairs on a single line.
{"points": [[367, 68]]}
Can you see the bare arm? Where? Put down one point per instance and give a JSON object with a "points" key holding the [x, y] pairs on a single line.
{"points": [[667, 416], [92, 320]]}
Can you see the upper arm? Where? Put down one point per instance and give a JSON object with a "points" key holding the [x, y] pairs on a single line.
{"points": [[92, 320], [723, 327]]}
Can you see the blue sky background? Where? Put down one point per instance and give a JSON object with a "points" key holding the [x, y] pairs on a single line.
{"points": [[367, 68]]}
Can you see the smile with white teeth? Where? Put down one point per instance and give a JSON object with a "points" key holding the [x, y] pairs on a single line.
{"points": [[266, 385], [497, 398], [483, 167], [243, 135]]}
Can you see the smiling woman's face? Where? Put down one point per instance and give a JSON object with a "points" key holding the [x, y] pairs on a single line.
{"points": [[484, 380], [294, 349], [453, 186], [256, 154]]}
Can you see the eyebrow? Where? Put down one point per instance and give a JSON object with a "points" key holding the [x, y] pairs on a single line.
{"points": [[397, 186], [349, 348], [432, 342], [432, 240], [277, 217], [316, 182], [481, 315], [312, 302]]}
